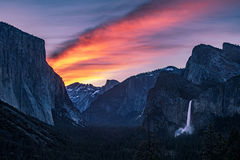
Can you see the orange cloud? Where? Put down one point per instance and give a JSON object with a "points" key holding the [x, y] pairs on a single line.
{"points": [[118, 45]]}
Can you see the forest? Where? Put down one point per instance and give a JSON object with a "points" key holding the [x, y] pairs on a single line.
{"points": [[220, 140]]}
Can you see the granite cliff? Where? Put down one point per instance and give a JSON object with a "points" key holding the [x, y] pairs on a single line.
{"points": [[27, 82], [211, 79], [209, 65]]}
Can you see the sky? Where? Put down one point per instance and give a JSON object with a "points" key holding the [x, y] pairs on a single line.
{"points": [[90, 41]]}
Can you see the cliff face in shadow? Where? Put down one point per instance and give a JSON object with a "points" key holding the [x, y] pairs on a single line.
{"points": [[124, 104], [211, 79], [27, 82], [209, 65]]}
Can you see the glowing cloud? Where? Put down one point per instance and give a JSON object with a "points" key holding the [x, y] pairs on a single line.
{"points": [[102, 52]]}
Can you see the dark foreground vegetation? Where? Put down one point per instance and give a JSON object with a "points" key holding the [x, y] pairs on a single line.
{"points": [[23, 137]]}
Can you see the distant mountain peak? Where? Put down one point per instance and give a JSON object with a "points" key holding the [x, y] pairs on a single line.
{"points": [[83, 94], [110, 81], [78, 85], [109, 84]]}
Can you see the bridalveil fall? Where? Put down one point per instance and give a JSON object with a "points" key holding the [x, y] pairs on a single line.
{"points": [[187, 129]]}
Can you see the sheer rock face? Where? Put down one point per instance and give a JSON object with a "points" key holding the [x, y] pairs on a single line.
{"points": [[232, 52], [27, 82], [209, 65], [123, 105], [82, 95], [167, 102], [211, 79], [220, 101]]}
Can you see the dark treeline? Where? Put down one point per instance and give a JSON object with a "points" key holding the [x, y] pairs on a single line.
{"points": [[221, 140]]}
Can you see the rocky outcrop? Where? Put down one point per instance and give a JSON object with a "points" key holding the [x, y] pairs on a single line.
{"points": [[210, 66], [82, 95], [220, 101], [109, 85], [27, 82], [232, 52], [167, 102], [211, 79], [124, 103]]}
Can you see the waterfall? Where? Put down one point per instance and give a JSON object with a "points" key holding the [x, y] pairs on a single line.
{"points": [[187, 129], [189, 114]]}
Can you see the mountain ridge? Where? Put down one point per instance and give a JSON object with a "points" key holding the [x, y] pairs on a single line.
{"points": [[82, 95], [124, 104]]}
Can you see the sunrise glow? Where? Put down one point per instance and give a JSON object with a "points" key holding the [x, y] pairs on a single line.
{"points": [[117, 45]]}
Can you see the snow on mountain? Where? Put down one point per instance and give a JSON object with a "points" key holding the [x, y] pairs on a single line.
{"points": [[83, 94]]}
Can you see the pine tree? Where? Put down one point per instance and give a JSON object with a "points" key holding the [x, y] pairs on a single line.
{"points": [[220, 147], [148, 149], [209, 144], [233, 146], [146, 152]]}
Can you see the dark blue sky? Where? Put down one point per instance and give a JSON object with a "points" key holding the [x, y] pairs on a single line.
{"points": [[59, 20]]}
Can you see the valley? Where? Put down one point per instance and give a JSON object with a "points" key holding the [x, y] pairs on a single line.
{"points": [[169, 113]]}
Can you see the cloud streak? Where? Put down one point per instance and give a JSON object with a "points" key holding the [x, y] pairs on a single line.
{"points": [[129, 42]]}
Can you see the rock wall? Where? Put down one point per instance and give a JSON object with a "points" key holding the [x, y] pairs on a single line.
{"points": [[211, 78], [209, 65], [27, 82]]}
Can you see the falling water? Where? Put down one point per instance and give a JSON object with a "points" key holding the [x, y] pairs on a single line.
{"points": [[189, 114], [187, 129]]}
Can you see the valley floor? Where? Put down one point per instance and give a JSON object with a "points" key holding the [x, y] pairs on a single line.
{"points": [[23, 137]]}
